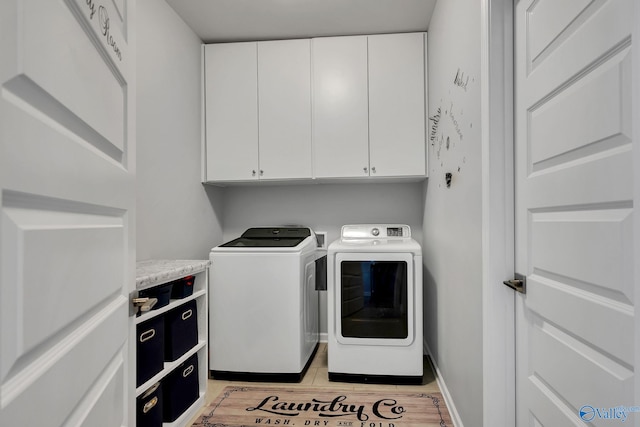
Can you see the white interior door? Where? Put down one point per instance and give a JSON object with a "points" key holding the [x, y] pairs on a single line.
{"points": [[67, 184], [574, 202]]}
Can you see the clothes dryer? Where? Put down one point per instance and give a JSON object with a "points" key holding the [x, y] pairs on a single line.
{"points": [[374, 299]]}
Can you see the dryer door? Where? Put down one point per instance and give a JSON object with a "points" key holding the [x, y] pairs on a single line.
{"points": [[374, 298]]}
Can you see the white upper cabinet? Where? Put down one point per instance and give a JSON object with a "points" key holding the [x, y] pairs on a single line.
{"points": [[258, 110], [369, 106], [340, 105], [284, 99], [231, 111], [397, 105], [329, 107]]}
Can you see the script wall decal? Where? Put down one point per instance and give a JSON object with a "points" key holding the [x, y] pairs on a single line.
{"points": [[448, 126]]}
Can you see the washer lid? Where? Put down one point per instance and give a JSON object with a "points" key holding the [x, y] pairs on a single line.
{"points": [[270, 237]]}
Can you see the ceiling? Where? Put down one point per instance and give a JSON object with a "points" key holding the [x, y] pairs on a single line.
{"points": [[244, 20]]}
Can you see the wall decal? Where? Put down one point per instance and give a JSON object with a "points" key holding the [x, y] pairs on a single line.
{"points": [[455, 123], [448, 125], [461, 80], [435, 119]]}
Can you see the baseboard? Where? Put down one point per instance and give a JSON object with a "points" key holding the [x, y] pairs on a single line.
{"points": [[324, 337], [455, 416]]}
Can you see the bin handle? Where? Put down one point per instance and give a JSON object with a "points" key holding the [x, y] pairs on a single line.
{"points": [[147, 335], [187, 314], [187, 371], [150, 404]]}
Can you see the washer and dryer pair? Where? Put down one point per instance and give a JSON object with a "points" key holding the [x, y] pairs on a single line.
{"points": [[263, 306]]}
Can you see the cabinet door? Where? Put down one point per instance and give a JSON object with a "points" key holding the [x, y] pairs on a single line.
{"points": [[284, 98], [397, 105], [340, 111], [231, 111]]}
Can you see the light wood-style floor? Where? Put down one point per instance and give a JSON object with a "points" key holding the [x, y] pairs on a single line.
{"points": [[317, 376]]}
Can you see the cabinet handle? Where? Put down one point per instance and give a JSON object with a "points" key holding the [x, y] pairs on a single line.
{"points": [[261, 172], [253, 173], [373, 169], [365, 170]]}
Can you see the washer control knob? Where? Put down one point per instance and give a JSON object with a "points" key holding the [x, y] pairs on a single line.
{"points": [[375, 232]]}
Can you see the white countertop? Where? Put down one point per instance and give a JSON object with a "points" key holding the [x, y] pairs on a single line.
{"points": [[157, 271]]}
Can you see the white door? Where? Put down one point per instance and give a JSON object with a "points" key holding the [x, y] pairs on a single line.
{"points": [[67, 181], [574, 201]]}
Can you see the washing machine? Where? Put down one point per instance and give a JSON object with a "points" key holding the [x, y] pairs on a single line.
{"points": [[374, 300], [263, 305]]}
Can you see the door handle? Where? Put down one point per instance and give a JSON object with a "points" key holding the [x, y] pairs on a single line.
{"points": [[518, 283]]}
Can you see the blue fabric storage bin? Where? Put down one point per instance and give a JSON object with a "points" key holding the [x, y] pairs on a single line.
{"points": [[183, 288], [162, 293], [149, 348], [181, 330], [149, 407], [180, 389]]}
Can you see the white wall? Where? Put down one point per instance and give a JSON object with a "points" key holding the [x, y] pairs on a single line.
{"points": [[323, 207], [453, 216], [177, 217]]}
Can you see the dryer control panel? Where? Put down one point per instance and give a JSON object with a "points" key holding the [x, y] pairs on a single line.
{"points": [[375, 231]]}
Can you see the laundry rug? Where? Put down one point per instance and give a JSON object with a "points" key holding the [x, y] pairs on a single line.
{"points": [[261, 406]]}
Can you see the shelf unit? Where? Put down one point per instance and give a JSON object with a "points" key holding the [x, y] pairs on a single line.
{"points": [[164, 272]]}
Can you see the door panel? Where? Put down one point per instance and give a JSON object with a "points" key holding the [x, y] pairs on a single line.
{"points": [[590, 246], [574, 209], [63, 371], [90, 270], [575, 44], [548, 19], [58, 56], [561, 133], [67, 176], [581, 312]]}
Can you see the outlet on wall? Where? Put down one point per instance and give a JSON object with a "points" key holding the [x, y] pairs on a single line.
{"points": [[321, 237]]}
